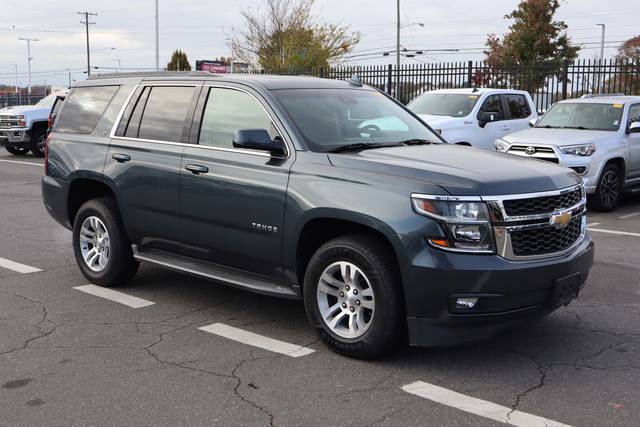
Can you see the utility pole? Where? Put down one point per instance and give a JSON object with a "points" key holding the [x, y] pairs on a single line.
{"points": [[29, 58], [601, 77], [69, 73], [118, 61], [86, 23], [398, 37], [157, 38]]}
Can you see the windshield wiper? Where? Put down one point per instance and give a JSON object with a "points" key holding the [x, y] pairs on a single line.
{"points": [[576, 127], [358, 146], [416, 141], [549, 127]]}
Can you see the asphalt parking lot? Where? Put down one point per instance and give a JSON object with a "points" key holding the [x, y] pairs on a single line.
{"points": [[71, 357]]}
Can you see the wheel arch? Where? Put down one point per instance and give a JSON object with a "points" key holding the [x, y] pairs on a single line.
{"points": [[620, 163], [319, 229], [85, 187]]}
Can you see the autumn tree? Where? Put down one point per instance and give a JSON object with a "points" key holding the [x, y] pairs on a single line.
{"points": [[628, 58], [534, 48], [284, 35], [179, 62], [630, 50]]}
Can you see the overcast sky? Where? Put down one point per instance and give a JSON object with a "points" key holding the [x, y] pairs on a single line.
{"points": [[201, 27]]}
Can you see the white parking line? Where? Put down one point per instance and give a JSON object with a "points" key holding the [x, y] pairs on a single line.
{"points": [[631, 215], [110, 294], [22, 163], [17, 267], [475, 406], [256, 340], [594, 224], [619, 233]]}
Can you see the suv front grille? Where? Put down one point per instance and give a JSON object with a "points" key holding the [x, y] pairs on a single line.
{"points": [[540, 153], [542, 205], [540, 241]]}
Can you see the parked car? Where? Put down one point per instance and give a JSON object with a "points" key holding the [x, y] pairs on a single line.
{"points": [[23, 128], [597, 137], [272, 184], [475, 117]]}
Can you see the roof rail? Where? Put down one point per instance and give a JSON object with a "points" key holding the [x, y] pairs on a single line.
{"points": [[112, 75], [600, 95]]}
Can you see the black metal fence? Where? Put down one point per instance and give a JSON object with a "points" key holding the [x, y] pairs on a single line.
{"points": [[546, 83], [10, 100]]}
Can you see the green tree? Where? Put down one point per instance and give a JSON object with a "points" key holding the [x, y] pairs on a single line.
{"points": [[179, 62], [534, 48], [286, 36]]}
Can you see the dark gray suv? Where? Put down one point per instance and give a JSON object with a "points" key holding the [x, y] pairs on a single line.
{"points": [[320, 190]]}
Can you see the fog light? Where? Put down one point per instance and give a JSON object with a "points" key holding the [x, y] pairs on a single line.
{"points": [[466, 302]]}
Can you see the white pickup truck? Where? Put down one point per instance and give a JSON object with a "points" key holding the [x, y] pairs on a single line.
{"points": [[23, 128], [475, 117]]}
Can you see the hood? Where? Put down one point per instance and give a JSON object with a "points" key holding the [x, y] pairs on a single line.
{"points": [[461, 171], [441, 122], [559, 137], [22, 109]]}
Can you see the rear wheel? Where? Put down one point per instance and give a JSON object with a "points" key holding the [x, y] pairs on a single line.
{"points": [[38, 141], [102, 249], [609, 189], [352, 297], [17, 151]]}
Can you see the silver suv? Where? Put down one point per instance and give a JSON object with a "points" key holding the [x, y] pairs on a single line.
{"points": [[599, 138]]}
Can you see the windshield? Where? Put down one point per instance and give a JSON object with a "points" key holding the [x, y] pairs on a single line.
{"points": [[329, 118], [444, 104], [47, 101], [588, 116]]}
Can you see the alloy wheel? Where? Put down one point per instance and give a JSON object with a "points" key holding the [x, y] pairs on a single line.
{"points": [[346, 300], [94, 243], [609, 188]]}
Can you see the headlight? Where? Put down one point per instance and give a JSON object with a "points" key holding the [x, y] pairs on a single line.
{"points": [[465, 223], [579, 150], [501, 145]]}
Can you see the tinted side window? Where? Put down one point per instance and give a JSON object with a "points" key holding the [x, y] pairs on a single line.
{"points": [[518, 106], [227, 111], [165, 113], [493, 104], [634, 113], [84, 107]]}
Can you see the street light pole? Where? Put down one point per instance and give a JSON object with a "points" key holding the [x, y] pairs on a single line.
{"points": [[29, 58], [601, 77], [15, 66], [157, 38], [398, 36]]}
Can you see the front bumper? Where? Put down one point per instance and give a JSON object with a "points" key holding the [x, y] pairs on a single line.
{"points": [[509, 293], [15, 137]]}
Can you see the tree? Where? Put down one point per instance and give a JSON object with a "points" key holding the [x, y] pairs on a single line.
{"points": [[285, 36], [179, 62], [630, 50], [535, 47]]}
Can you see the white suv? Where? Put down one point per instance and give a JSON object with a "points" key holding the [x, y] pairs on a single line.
{"points": [[598, 137], [475, 117]]}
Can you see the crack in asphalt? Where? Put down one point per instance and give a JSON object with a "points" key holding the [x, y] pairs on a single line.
{"points": [[541, 382]]}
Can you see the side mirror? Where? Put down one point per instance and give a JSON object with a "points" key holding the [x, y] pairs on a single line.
{"points": [[634, 127], [487, 117], [258, 139], [533, 122]]}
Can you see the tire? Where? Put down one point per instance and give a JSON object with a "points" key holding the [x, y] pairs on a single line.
{"points": [[374, 299], [609, 189], [98, 227], [38, 141], [17, 151]]}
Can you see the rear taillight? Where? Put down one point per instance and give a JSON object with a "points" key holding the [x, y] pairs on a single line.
{"points": [[46, 154]]}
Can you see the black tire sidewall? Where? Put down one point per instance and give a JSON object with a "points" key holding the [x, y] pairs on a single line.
{"points": [[34, 144], [387, 316], [121, 264], [15, 151]]}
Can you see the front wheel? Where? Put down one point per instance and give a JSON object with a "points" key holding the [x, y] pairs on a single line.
{"points": [[353, 297], [17, 151], [38, 142], [102, 249], [609, 189]]}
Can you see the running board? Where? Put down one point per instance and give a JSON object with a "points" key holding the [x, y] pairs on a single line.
{"points": [[230, 276]]}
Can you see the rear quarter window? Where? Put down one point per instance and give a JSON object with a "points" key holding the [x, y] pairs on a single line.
{"points": [[83, 109]]}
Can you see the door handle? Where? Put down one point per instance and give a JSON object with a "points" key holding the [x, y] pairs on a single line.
{"points": [[197, 169], [505, 128], [121, 158]]}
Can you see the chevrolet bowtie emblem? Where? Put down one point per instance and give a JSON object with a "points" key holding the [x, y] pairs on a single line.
{"points": [[560, 220]]}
